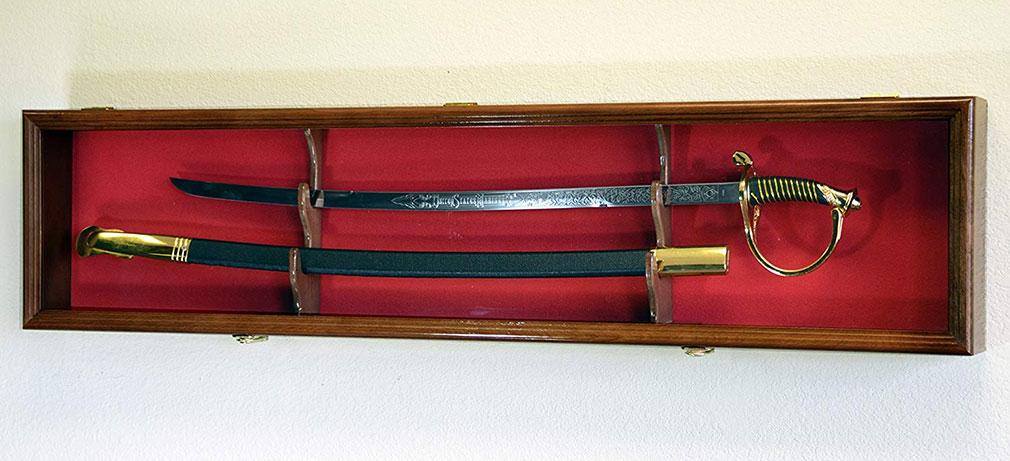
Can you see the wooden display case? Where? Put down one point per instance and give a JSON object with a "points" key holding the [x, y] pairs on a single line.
{"points": [[908, 275]]}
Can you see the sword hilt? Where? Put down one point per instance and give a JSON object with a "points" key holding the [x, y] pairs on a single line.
{"points": [[768, 189], [756, 191]]}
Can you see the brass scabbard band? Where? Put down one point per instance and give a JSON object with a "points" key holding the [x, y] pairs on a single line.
{"points": [[95, 240]]}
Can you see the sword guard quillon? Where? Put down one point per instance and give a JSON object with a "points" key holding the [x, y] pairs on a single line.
{"points": [[774, 189]]}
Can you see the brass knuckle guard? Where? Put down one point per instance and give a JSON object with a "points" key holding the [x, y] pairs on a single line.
{"points": [[95, 240], [841, 202]]}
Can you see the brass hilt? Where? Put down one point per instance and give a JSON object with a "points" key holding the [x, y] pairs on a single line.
{"points": [[755, 191], [95, 240], [676, 261]]}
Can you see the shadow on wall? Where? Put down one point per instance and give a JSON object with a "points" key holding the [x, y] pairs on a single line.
{"points": [[10, 187], [798, 78]]}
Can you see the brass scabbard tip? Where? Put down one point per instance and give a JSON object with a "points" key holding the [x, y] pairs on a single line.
{"points": [[95, 240]]}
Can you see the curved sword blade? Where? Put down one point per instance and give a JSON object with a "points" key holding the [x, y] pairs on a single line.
{"points": [[237, 192], [529, 199]]}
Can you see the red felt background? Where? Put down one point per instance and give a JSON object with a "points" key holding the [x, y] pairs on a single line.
{"points": [[889, 272]]}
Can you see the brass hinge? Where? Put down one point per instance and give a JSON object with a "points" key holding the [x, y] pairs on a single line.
{"points": [[99, 108], [697, 351], [250, 339], [459, 104], [881, 96]]}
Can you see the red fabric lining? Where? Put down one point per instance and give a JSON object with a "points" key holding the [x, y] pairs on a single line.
{"points": [[890, 271]]}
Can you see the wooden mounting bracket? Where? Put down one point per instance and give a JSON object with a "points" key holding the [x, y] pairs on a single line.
{"points": [[305, 287], [660, 288]]}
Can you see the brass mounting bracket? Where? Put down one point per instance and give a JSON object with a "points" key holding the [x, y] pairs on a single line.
{"points": [[250, 339]]}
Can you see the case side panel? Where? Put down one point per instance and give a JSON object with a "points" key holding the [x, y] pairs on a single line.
{"points": [[31, 218], [976, 305], [54, 168], [512, 115], [501, 330], [966, 224]]}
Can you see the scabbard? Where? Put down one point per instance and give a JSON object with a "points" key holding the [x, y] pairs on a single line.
{"points": [[615, 263], [421, 264]]}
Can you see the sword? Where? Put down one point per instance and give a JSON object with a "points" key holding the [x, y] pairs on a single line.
{"points": [[761, 190], [750, 192], [497, 200]]}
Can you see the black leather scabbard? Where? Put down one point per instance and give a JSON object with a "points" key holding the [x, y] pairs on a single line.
{"points": [[422, 264], [94, 240]]}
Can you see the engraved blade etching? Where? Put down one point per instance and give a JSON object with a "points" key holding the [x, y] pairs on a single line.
{"points": [[589, 197], [699, 194]]}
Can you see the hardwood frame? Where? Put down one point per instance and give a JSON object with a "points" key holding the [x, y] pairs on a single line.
{"points": [[48, 238]]}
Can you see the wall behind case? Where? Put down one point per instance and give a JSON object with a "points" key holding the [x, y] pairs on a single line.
{"points": [[131, 395]]}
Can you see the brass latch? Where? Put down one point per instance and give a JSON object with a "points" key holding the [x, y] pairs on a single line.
{"points": [[250, 339], [697, 351]]}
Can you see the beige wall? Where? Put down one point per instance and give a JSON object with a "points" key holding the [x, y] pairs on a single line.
{"points": [[66, 394]]}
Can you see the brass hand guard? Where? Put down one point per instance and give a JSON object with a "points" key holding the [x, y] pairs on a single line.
{"points": [[757, 191]]}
